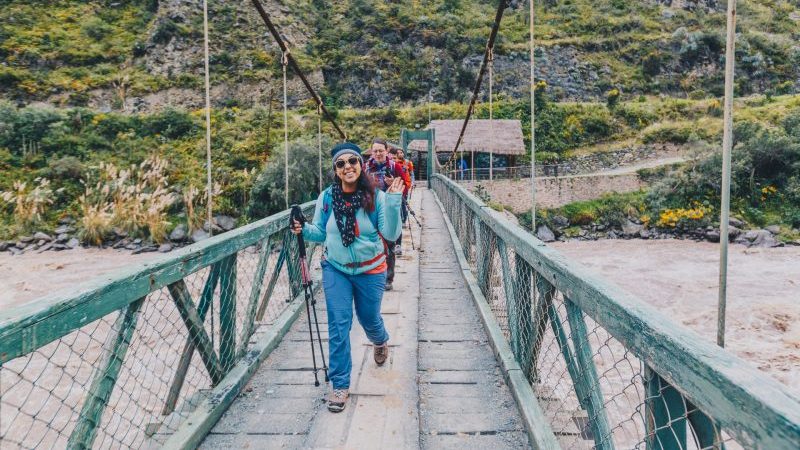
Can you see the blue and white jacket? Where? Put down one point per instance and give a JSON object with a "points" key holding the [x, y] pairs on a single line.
{"points": [[367, 251]]}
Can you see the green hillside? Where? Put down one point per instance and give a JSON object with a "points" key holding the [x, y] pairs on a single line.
{"points": [[85, 84], [375, 53]]}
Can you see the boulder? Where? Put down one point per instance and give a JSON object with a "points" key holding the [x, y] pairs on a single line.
{"points": [[73, 243], [46, 247], [560, 221], [751, 234], [59, 247], [216, 229], [145, 249], [179, 234], [774, 229], [545, 234], [736, 222], [165, 248], [764, 239], [63, 229], [62, 238], [15, 250], [39, 236], [631, 229], [227, 223], [132, 247], [26, 239], [199, 235], [733, 232], [21, 245], [66, 221], [4, 245], [712, 236]]}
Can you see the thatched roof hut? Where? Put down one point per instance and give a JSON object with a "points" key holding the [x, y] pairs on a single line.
{"points": [[507, 136]]}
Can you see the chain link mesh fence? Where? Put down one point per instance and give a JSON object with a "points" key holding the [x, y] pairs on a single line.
{"points": [[595, 392], [130, 378]]}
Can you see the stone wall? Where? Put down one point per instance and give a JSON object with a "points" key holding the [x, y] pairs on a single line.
{"points": [[554, 192]]}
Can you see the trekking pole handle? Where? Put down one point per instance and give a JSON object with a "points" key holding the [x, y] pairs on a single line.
{"points": [[297, 214]]}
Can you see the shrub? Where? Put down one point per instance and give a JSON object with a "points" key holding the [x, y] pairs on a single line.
{"points": [[672, 133], [612, 97], [137, 198], [28, 204], [65, 168], [267, 195], [170, 123]]}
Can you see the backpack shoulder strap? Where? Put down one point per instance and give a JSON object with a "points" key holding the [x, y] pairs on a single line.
{"points": [[327, 206]]}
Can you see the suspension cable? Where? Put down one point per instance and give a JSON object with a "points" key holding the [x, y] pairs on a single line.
{"points": [[285, 133], [293, 64], [491, 115], [209, 188], [501, 6], [532, 16], [319, 144], [727, 144]]}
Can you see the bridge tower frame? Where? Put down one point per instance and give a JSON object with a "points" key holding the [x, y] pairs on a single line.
{"points": [[407, 136]]}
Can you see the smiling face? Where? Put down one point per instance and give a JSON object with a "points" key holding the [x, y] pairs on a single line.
{"points": [[379, 153], [348, 168]]}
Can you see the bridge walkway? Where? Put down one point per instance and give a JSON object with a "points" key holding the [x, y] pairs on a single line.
{"points": [[441, 388]]}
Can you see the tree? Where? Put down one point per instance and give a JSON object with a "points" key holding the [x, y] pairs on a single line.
{"points": [[267, 195]]}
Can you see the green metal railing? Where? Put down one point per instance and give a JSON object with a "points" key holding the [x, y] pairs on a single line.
{"points": [[606, 370], [123, 361]]}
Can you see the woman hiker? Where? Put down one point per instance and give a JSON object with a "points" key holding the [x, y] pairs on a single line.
{"points": [[353, 218]]}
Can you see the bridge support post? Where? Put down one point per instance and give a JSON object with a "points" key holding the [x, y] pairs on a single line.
{"points": [[523, 288], [227, 313], [429, 135], [206, 297], [592, 395], [197, 333], [262, 309], [105, 377], [255, 293], [665, 414], [545, 293]]}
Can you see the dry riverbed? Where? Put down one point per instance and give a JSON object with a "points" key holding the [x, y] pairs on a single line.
{"points": [[678, 277]]}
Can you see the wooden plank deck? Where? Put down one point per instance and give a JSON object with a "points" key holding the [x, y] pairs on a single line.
{"points": [[441, 388]]}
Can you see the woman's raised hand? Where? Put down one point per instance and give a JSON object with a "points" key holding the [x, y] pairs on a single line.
{"points": [[296, 227], [396, 187]]}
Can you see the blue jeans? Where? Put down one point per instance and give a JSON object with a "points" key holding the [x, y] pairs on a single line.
{"points": [[341, 291]]}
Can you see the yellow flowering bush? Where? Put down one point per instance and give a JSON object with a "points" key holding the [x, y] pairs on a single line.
{"points": [[670, 218], [767, 192]]}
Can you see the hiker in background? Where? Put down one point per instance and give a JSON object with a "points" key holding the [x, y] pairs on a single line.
{"points": [[408, 167], [384, 171], [462, 168], [351, 217]]}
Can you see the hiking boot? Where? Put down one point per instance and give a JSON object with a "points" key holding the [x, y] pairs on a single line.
{"points": [[388, 286], [337, 400], [381, 352], [398, 250]]}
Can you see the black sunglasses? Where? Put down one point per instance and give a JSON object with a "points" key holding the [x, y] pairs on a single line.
{"points": [[340, 162]]}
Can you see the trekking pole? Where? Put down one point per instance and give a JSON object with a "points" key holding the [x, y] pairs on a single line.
{"points": [[308, 290], [411, 211], [410, 231]]}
